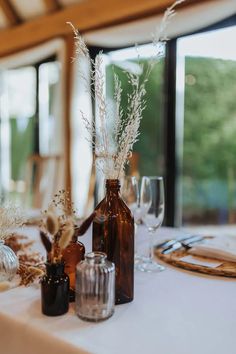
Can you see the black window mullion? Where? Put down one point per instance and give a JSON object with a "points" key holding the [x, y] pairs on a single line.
{"points": [[36, 126], [171, 167]]}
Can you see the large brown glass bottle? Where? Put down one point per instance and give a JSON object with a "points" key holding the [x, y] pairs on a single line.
{"points": [[113, 233]]}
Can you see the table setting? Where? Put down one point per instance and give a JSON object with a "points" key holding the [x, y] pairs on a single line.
{"points": [[171, 310]]}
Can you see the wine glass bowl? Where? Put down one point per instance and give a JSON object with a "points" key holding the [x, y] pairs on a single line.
{"points": [[130, 193], [152, 204]]}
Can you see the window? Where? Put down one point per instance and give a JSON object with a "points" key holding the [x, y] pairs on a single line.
{"points": [[26, 121], [207, 72]]}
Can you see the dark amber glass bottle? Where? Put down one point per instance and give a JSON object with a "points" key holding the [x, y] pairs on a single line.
{"points": [[55, 290], [72, 255], [113, 233]]}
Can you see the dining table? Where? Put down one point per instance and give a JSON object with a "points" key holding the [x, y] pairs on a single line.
{"points": [[173, 312]]}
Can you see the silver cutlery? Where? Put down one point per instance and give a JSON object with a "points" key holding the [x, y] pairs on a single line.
{"points": [[169, 243], [187, 244]]}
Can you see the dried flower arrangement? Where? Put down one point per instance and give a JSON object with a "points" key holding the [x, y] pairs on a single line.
{"points": [[19, 243], [11, 217], [114, 150], [59, 226], [31, 264], [31, 268]]}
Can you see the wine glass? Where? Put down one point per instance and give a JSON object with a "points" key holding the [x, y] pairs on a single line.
{"points": [[130, 195], [152, 205], [130, 192]]}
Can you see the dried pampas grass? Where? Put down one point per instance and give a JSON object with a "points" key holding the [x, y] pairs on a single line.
{"points": [[115, 149]]}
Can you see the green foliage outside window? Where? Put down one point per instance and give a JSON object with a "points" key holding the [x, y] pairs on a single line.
{"points": [[22, 145], [209, 163]]}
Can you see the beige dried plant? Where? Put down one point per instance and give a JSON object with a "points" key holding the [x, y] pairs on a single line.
{"points": [[114, 150], [66, 236], [11, 217], [58, 226], [52, 223]]}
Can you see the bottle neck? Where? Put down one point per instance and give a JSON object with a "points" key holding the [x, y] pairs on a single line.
{"points": [[55, 268], [112, 186], [93, 258]]}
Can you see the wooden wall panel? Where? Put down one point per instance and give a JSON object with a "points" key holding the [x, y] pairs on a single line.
{"points": [[10, 13], [67, 116], [51, 5]]}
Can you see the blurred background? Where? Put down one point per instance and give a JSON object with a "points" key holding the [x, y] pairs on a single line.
{"points": [[188, 131]]}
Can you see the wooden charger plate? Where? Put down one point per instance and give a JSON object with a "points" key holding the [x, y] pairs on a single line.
{"points": [[226, 269]]}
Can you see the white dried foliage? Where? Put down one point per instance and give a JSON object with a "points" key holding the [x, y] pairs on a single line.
{"points": [[114, 149], [118, 110], [128, 131], [11, 217], [80, 46], [160, 33]]}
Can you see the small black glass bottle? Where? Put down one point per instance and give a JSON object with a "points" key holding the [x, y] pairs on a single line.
{"points": [[55, 287]]}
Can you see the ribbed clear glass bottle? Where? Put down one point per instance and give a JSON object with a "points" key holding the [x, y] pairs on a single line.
{"points": [[95, 287], [8, 262]]}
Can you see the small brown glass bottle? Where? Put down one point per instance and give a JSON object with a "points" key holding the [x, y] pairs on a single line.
{"points": [[72, 255], [113, 233]]}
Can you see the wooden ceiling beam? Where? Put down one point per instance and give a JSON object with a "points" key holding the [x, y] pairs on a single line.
{"points": [[10, 13], [51, 5], [86, 15]]}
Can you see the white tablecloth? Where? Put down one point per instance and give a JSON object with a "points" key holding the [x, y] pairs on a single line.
{"points": [[174, 312]]}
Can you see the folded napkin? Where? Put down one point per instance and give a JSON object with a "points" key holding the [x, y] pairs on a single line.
{"points": [[223, 248]]}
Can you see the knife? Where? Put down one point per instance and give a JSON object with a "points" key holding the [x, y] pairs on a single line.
{"points": [[179, 244], [170, 243]]}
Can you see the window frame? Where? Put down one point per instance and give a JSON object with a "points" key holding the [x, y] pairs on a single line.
{"points": [[36, 66], [173, 142]]}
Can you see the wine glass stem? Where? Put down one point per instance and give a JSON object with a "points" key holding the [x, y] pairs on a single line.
{"points": [[135, 238], [151, 253]]}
